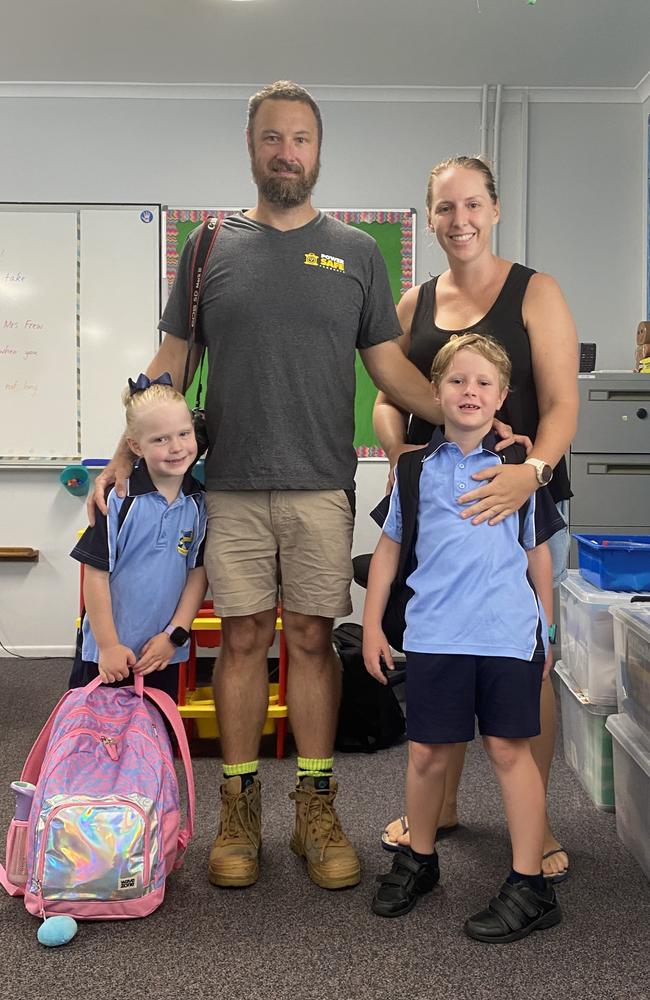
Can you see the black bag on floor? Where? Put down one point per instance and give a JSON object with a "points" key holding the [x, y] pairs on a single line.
{"points": [[370, 716]]}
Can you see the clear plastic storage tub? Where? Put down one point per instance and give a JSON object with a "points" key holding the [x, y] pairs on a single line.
{"points": [[587, 743], [587, 636], [632, 646], [632, 781]]}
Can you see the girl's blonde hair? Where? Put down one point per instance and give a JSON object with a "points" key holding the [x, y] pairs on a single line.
{"points": [[142, 399], [487, 347]]}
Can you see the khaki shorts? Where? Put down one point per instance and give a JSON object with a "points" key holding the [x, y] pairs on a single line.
{"points": [[257, 538]]}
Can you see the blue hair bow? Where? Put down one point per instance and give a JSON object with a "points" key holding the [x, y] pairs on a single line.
{"points": [[143, 382]]}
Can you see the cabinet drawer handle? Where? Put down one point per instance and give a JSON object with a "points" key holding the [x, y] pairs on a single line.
{"points": [[616, 469]]}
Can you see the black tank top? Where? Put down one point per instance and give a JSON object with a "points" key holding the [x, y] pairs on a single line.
{"points": [[504, 322]]}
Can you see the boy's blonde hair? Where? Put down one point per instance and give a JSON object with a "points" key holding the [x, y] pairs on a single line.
{"points": [[136, 402], [487, 347]]}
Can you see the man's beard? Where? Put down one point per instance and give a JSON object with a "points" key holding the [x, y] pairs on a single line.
{"points": [[285, 191]]}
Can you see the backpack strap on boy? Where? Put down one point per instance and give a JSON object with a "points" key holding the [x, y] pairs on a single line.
{"points": [[515, 454], [409, 468]]}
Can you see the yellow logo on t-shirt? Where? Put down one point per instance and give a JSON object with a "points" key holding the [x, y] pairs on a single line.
{"points": [[325, 260], [184, 542]]}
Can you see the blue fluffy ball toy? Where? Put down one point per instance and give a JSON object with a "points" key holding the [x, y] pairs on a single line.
{"points": [[57, 930]]}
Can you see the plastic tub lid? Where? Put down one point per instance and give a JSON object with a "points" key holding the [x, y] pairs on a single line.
{"points": [[636, 616], [632, 739], [585, 591], [579, 694]]}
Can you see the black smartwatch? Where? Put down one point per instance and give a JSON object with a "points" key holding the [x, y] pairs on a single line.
{"points": [[178, 636]]}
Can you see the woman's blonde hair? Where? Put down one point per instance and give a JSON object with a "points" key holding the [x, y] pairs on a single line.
{"points": [[136, 402], [468, 163], [487, 347]]}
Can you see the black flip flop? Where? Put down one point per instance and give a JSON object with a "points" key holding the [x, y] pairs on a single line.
{"points": [[556, 877]]}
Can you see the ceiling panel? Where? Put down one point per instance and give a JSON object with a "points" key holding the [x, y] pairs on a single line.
{"points": [[561, 43]]}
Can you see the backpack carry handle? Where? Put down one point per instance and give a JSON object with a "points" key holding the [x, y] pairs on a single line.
{"points": [[32, 767]]}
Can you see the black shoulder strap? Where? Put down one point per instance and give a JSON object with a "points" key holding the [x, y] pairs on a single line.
{"points": [[409, 468], [515, 454], [202, 250]]}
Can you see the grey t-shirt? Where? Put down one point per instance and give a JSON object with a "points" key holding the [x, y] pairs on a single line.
{"points": [[282, 314]]}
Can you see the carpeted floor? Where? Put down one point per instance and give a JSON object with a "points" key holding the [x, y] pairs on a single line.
{"points": [[285, 938]]}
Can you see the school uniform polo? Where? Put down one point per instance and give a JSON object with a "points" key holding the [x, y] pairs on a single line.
{"points": [[471, 591], [475, 635], [147, 546]]}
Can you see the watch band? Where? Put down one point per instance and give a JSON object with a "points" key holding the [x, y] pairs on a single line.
{"points": [[543, 470]]}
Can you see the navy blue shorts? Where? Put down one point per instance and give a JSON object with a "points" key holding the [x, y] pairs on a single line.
{"points": [[445, 692], [84, 671]]}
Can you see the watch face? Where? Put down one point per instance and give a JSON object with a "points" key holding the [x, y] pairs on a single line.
{"points": [[545, 475], [179, 636]]}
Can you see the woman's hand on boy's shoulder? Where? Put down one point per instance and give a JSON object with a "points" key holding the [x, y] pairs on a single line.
{"points": [[509, 437]]}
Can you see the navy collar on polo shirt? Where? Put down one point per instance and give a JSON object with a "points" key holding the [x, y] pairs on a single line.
{"points": [[140, 482], [438, 438]]}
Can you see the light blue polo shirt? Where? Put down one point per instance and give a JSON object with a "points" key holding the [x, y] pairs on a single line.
{"points": [[471, 591], [148, 547]]}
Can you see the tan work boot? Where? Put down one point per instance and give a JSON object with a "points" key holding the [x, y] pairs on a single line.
{"points": [[332, 862], [234, 858]]}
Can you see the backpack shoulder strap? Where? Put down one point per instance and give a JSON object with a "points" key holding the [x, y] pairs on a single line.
{"points": [[409, 468], [169, 710], [515, 454], [202, 250]]}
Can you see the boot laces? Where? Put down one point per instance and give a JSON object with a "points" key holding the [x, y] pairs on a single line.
{"points": [[239, 815], [322, 813]]}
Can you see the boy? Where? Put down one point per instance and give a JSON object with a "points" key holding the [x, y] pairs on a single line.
{"points": [[475, 642]]}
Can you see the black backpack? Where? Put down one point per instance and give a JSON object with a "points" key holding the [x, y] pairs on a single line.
{"points": [[370, 716]]}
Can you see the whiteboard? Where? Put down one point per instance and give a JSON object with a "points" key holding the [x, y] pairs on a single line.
{"points": [[79, 307]]}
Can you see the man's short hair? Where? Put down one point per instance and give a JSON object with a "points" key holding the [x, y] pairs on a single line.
{"points": [[283, 90]]}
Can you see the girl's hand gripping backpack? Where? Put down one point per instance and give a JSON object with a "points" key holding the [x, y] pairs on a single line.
{"points": [[104, 830]]}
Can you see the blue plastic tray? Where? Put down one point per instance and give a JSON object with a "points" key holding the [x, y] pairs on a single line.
{"points": [[615, 562]]}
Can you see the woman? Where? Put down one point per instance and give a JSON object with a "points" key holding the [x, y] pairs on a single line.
{"points": [[527, 313]]}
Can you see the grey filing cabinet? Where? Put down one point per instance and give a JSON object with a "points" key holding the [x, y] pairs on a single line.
{"points": [[610, 456]]}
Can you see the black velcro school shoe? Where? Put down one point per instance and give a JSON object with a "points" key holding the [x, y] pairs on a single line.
{"points": [[514, 913], [397, 892]]}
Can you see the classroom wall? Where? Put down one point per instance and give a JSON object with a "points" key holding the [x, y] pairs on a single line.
{"points": [[585, 226]]}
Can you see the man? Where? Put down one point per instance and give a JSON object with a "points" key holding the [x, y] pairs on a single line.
{"points": [[289, 294]]}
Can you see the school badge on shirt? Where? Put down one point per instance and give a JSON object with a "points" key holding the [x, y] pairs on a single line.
{"points": [[184, 542]]}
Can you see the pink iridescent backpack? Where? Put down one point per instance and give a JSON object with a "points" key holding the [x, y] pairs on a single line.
{"points": [[105, 828]]}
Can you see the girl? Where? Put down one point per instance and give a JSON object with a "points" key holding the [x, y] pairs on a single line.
{"points": [[143, 562]]}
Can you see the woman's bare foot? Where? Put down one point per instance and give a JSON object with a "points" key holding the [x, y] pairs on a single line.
{"points": [[555, 860], [396, 833]]}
